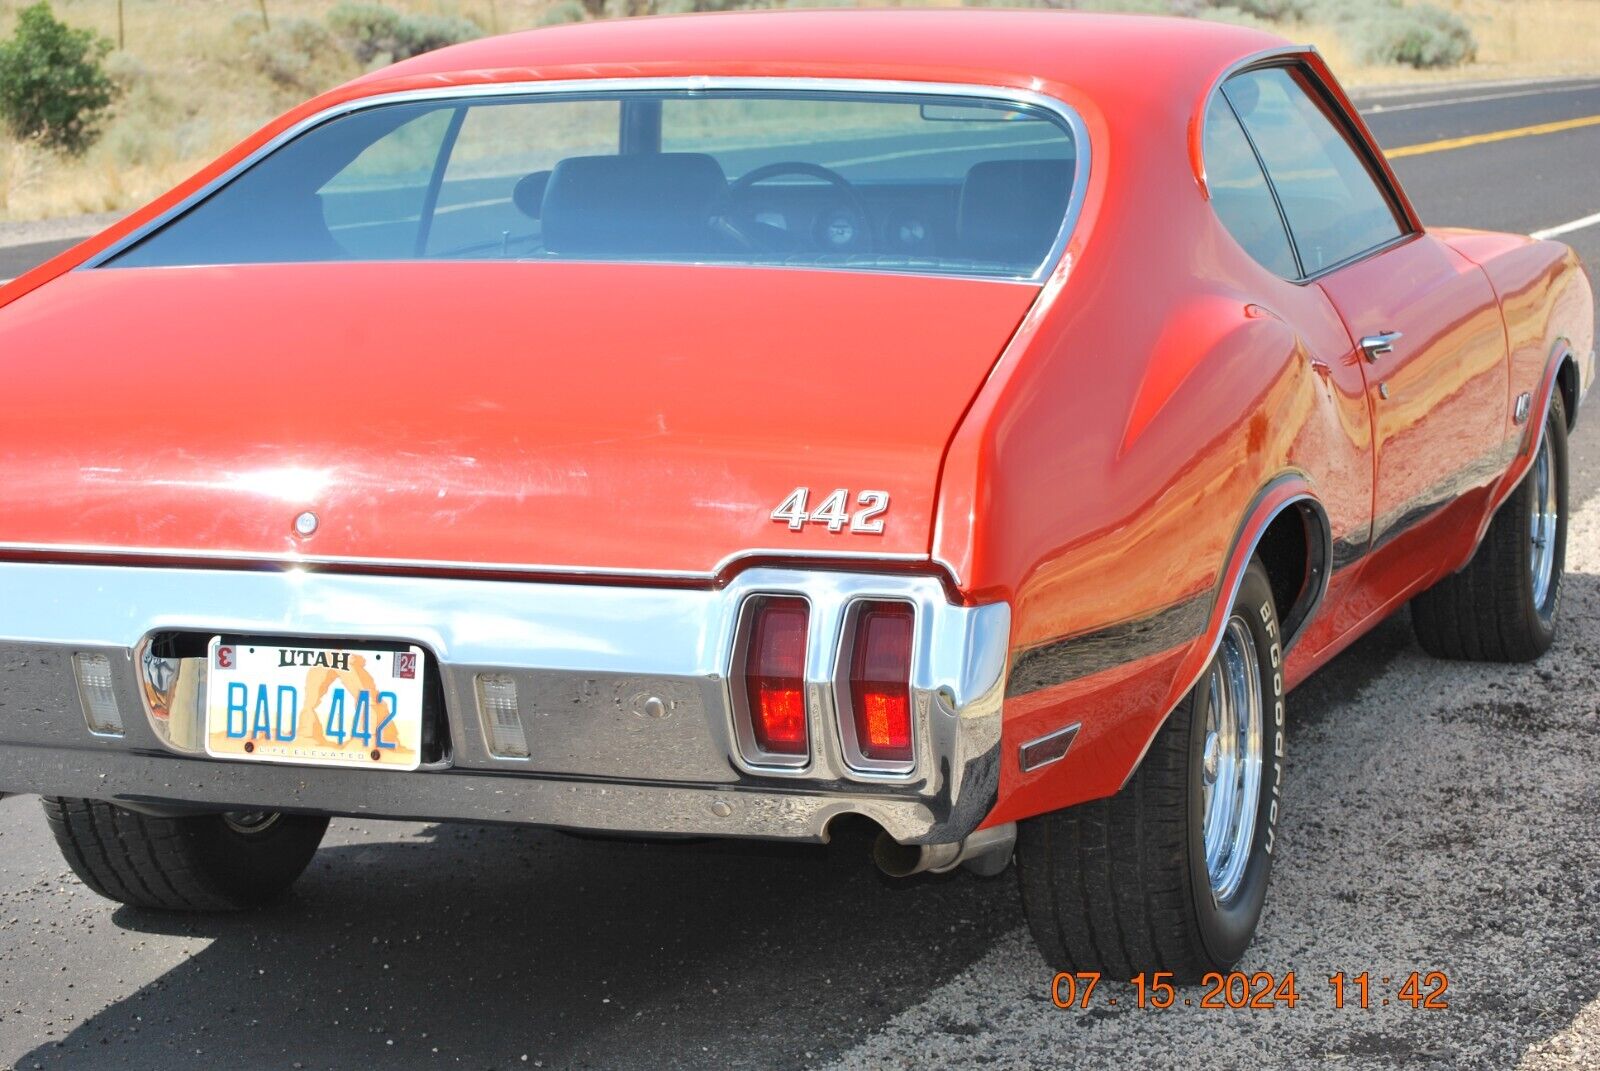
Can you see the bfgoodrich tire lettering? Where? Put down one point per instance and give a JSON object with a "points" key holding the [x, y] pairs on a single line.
{"points": [[202, 862], [1122, 885]]}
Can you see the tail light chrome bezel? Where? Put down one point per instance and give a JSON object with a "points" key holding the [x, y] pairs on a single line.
{"points": [[751, 752], [959, 659], [844, 702]]}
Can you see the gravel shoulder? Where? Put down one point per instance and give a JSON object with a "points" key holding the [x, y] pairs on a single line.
{"points": [[1440, 817]]}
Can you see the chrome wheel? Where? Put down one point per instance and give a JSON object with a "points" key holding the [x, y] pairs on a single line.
{"points": [[1546, 518], [1231, 774]]}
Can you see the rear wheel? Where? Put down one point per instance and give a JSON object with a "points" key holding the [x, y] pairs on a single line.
{"points": [[1170, 874], [1502, 606], [202, 862]]}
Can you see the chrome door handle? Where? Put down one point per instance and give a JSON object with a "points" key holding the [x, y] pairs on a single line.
{"points": [[1375, 346]]}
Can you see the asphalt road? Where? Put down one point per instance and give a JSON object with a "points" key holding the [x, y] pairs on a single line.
{"points": [[1440, 817]]}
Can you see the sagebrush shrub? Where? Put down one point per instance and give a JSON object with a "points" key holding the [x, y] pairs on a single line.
{"points": [[563, 11], [1418, 36], [298, 54], [53, 83], [373, 32]]}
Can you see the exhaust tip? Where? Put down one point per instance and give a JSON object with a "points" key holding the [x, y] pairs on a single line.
{"points": [[895, 859]]}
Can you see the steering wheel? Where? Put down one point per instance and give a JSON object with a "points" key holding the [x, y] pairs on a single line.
{"points": [[842, 227]]}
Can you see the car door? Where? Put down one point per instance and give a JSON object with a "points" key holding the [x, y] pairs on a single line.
{"points": [[1424, 319]]}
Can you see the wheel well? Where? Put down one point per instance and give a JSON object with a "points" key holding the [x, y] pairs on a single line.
{"points": [[1294, 549], [1567, 380]]}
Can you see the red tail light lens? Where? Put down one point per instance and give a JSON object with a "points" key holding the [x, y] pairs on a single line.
{"points": [[880, 681], [775, 669]]}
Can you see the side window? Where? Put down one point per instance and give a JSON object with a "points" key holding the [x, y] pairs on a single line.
{"points": [[373, 206], [1240, 196], [1335, 207]]}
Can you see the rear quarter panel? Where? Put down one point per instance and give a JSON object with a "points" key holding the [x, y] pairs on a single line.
{"points": [[1105, 477]]}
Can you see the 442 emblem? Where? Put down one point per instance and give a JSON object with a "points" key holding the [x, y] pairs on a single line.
{"points": [[834, 511]]}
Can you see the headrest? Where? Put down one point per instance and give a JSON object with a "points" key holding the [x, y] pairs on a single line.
{"points": [[639, 204], [1011, 210], [528, 193]]}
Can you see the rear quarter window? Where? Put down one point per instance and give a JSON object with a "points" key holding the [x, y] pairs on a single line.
{"points": [[1335, 206], [1240, 196]]}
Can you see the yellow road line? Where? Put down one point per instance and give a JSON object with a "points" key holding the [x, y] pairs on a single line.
{"points": [[1494, 135]]}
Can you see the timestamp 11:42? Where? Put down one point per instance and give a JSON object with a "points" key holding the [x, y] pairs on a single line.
{"points": [[1416, 989]]}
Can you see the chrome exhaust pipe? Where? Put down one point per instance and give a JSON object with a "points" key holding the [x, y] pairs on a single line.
{"points": [[986, 852]]}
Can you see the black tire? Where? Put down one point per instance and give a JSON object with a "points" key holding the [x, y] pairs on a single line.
{"points": [[1488, 611], [200, 862], [1120, 885]]}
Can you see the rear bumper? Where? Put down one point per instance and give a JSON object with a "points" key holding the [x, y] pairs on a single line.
{"points": [[624, 699]]}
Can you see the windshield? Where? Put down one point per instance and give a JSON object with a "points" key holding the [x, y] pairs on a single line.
{"points": [[896, 182]]}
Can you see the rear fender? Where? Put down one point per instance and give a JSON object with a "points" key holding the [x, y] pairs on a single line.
{"points": [[1134, 694], [1289, 491], [1562, 359]]}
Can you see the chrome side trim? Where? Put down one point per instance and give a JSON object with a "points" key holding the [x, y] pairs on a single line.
{"points": [[189, 554], [593, 86], [1231, 592]]}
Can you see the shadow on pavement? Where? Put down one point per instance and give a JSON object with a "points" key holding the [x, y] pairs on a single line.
{"points": [[471, 946]]}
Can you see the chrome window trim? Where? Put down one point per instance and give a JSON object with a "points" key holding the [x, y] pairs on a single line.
{"points": [[597, 86]]}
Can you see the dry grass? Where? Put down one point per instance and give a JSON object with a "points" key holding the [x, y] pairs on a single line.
{"points": [[1516, 39], [194, 84], [192, 88]]}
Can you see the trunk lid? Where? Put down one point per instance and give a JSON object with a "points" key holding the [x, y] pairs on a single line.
{"points": [[572, 417]]}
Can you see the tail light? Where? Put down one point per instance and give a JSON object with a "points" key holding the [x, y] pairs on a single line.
{"points": [[774, 676], [880, 682]]}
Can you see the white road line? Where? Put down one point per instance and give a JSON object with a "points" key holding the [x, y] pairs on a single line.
{"points": [[1569, 227], [1382, 109]]}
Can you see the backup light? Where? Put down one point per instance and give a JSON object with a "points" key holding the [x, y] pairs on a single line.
{"points": [[880, 681], [497, 710], [98, 693], [774, 676]]}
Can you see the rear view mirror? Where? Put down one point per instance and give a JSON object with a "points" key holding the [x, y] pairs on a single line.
{"points": [[977, 113]]}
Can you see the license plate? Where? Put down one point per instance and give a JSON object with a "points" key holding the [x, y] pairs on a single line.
{"points": [[319, 706]]}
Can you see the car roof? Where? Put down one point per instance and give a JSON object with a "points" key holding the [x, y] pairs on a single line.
{"points": [[1101, 55]]}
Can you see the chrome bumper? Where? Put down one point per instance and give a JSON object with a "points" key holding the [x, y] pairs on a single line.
{"points": [[625, 700]]}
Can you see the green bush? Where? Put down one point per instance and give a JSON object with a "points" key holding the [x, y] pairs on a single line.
{"points": [[563, 11], [374, 33], [1418, 35], [1270, 10], [53, 85]]}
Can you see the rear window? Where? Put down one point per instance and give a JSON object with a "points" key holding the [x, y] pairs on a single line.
{"points": [[898, 182]]}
